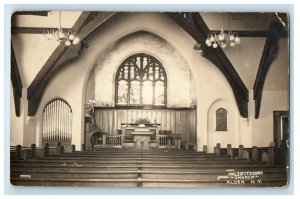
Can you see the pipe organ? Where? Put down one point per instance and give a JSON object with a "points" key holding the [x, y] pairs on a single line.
{"points": [[57, 122]]}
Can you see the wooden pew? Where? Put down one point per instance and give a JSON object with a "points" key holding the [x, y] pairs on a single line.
{"points": [[151, 168]]}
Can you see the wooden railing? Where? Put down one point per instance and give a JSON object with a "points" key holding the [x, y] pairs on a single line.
{"points": [[114, 140], [182, 122], [169, 141]]}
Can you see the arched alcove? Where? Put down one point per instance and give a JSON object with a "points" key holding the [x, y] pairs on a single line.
{"points": [[100, 85], [103, 73], [230, 135]]}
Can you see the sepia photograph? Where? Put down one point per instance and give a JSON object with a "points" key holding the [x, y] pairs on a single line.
{"points": [[149, 99]]}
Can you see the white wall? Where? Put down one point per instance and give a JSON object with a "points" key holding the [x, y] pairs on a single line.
{"points": [[206, 83], [262, 134], [231, 135], [16, 123], [178, 73], [22, 127]]}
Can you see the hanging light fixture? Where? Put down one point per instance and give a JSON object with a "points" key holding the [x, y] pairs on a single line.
{"points": [[59, 35], [223, 39]]}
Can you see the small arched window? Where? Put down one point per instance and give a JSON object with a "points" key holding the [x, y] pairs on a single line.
{"points": [[57, 122], [221, 119], [141, 80]]}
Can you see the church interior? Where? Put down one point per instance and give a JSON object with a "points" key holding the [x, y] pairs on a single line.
{"points": [[149, 99]]}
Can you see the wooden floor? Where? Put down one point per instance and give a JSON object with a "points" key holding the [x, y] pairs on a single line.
{"points": [[145, 168]]}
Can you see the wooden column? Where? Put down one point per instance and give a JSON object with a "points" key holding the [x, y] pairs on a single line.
{"points": [[271, 155], [246, 154], [73, 148], [61, 150], [241, 149], [205, 148], [218, 149], [18, 152], [229, 150], [45, 150], [254, 153], [25, 154], [33, 150]]}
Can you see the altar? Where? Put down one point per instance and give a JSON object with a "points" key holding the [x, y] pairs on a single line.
{"points": [[142, 135]]}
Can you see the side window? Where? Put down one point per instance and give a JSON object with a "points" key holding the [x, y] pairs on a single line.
{"points": [[221, 119]]}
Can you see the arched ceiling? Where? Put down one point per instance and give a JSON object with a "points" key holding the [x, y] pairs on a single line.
{"points": [[244, 69]]}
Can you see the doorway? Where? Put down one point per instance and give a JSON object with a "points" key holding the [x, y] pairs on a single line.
{"points": [[281, 128]]}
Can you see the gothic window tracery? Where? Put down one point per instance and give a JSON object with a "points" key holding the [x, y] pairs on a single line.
{"points": [[141, 80]]}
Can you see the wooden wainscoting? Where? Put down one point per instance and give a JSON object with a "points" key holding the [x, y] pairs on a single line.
{"points": [[179, 121]]}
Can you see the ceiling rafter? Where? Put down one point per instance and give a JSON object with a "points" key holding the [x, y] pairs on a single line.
{"points": [[16, 82], [35, 30], [269, 54], [195, 26], [37, 13], [248, 33], [85, 25]]}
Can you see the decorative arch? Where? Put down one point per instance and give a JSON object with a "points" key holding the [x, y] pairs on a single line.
{"points": [[141, 80], [57, 122], [105, 53], [220, 135]]}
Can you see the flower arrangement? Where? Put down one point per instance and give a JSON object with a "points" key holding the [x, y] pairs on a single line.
{"points": [[142, 121]]}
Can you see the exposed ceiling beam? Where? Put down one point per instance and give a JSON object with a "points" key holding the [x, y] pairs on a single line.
{"points": [[42, 30], [36, 88], [241, 33], [16, 82], [38, 13], [34, 30], [245, 33], [195, 26], [85, 25], [269, 54]]}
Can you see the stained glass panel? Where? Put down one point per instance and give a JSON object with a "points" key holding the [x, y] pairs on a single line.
{"points": [[141, 79], [122, 92], [159, 93], [221, 120], [147, 92], [135, 93]]}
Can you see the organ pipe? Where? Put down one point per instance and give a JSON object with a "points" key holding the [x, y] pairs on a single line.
{"points": [[57, 122]]}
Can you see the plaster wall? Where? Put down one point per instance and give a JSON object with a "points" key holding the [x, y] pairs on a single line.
{"points": [[178, 73], [204, 84], [262, 133]]}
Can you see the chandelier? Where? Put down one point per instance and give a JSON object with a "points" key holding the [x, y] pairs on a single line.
{"points": [[70, 37], [223, 39]]}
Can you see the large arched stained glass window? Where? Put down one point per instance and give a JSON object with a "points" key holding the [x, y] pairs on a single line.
{"points": [[221, 119], [141, 80]]}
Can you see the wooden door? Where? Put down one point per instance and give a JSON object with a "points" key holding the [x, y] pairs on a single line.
{"points": [[281, 128]]}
